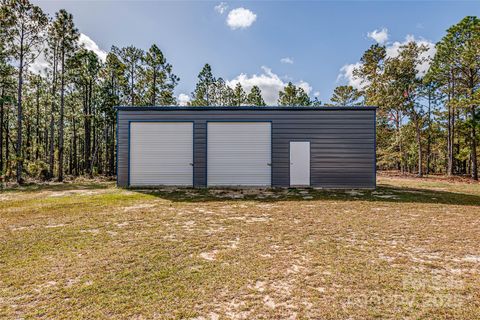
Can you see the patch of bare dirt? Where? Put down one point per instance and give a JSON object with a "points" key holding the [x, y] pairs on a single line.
{"points": [[433, 177]]}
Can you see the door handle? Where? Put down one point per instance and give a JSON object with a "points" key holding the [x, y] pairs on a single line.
{"points": [[191, 164], [269, 164]]}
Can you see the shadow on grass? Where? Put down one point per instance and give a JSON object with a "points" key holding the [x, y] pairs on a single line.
{"points": [[59, 186], [383, 193]]}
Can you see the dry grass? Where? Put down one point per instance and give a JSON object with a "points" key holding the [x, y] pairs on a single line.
{"points": [[410, 249]]}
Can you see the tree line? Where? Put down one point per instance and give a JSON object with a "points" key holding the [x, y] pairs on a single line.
{"points": [[212, 91], [427, 122], [61, 120]]}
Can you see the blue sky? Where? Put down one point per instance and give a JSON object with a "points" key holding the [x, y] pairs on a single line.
{"points": [[319, 38]]}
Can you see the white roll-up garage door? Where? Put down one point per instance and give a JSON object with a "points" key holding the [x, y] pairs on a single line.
{"points": [[161, 153], [239, 153]]}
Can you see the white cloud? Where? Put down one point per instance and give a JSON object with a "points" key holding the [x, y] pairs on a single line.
{"points": [[183, 99], [394, 48], [269, 82], [286, 60], [305, 86], [346, 73], [221, 7], [380, 36], [316, 94], [240, 18], [89, 44], [40, 65], [392, 51]]}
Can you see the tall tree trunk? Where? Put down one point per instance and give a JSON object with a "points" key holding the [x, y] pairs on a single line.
{"points": [[114, 123], [94, 157], [112, 149], [37, 124], [60, 128], [453, 117], [81, 143], [473, 138], [450, 138], [70, 156], [94, 130], [7, 140], [401, 162], [28, 144], [87, 126], [107, 131], [1, 130], [75, 160], [154, 93], [51, 159], [419, 144], [45, 142], [429, 133], [20, 116], [90, 144], [132, 84]]}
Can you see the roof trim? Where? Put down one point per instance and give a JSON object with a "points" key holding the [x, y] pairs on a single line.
{"points": [[244, 108]]}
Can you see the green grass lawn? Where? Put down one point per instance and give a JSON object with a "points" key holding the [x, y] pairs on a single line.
{"points": [[410, 249]]}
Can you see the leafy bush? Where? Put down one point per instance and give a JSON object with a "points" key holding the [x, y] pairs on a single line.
{"points": [[38, 169]]}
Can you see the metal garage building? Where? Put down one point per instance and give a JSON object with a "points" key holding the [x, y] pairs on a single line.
{"points": [[328, 147]]}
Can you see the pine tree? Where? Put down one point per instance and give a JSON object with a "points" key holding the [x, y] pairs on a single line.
{"points": [[204, 93], [23, 24], [346, 96], [443, 75], [7, 97], [52, 55], [375, 92], [228, 96], [456, 69], [38, 85], [316, 102], [254, 98], [293, 96], [112, 81], [66, 36], [219, 97], [239, 95], [84, 68], [159, 78], [370, 73], [131, 57], [402, 81]]}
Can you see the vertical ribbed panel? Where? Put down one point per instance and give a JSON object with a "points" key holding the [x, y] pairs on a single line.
{"points": [[161, 153], [239, 153]]}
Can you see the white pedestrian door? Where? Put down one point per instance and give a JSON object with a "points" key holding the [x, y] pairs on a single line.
{"points": [[299, 163], [161, 153]]}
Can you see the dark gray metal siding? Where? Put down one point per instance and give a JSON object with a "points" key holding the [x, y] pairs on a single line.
{"points": [[342, 142]]}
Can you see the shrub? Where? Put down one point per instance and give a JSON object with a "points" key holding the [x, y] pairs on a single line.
{"points": [[38, 169]]}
